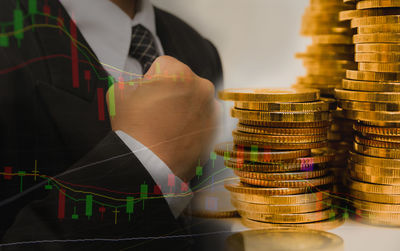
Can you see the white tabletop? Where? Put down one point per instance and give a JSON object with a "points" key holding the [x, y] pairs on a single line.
{"points": [[356, 236]]}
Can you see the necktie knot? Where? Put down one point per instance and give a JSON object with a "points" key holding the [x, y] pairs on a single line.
{"points": [[143, 47]]}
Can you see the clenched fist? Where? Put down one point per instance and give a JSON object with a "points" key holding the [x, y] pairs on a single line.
{"points": [[174, 116]]}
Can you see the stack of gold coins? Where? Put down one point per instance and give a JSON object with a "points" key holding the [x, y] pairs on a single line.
{"points": [[371, 95], [279, 153], [332, 51], [326, 61]]}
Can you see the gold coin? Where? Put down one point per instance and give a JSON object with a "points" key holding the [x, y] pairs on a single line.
{"points": [[285, 124], [255, 153], [326, 3], [350, 14], [327, 72], [282, 209], [376, 197], [319, 225], [380, 67], [367, 96], [317, 156], [369, 4], [382, 123], [377, 207], [377, 57], [279, 116], [325, 180], [284, 239], [373, 76], [328, 8], [315, 67], [281, 199], [318, 80], [394, 139], [385, 131], [312, 17], [282, 176], [372, 116], [376, 38], [281, 146], [374, 171], [332, 39], [243, 188], [324, 64], [272, 166], [334, 61], [370, 86], [369, 217], [321, 105], [379, 28], [211, 214], [266, 138], [270, 95], [326, 56], [329, 23], [327, 90], [377, 152], [368, 106], [374, 161], [375, 143], [377, 48], [332, 5], [363, 21], [282, 131], [375, 179], [313, 29], [330, 49], [288, 218], [381, 216], [369, 188]]}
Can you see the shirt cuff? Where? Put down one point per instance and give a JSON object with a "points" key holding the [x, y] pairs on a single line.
{"points": [[160, 173]]}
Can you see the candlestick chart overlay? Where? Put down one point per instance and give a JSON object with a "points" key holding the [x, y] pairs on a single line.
{"points": [[81, 202]]}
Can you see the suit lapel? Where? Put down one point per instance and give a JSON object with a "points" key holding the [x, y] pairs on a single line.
{"points": [[74, 96], [72, 66]]}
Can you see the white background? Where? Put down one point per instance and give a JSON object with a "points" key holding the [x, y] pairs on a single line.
{"points": [[257, 40]]}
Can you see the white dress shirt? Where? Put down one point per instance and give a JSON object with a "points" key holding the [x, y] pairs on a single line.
{"points": [[108, 30]]}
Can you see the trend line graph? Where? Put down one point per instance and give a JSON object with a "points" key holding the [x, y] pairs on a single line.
{"points": [[64, 188], [90, 200], [129, 201], [84, 50], [126, 202]]}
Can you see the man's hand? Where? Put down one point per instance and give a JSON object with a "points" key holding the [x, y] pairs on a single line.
{"points": [[174, 117]]}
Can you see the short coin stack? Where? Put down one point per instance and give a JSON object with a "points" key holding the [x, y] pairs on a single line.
{"points": [[326, 61], [371, 95], [279, 157]]}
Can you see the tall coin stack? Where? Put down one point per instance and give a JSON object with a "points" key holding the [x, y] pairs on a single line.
{"points": [[371, 95], [326, 61], [278, 154]]}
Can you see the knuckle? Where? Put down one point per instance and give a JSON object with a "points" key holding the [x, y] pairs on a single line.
{"points": [[164, 60], [207, 87]]}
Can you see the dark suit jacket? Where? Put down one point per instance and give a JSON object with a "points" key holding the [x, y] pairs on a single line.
{"points": [[49, 118]]}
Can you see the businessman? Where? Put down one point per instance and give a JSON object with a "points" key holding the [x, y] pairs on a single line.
{"points": [[104, 103]]}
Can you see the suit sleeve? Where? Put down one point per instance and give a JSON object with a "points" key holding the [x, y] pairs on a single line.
{"points": [[89, 199]]}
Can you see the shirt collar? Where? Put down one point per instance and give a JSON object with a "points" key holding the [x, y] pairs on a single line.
{"points": [[145, 16], [108, 29]]}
